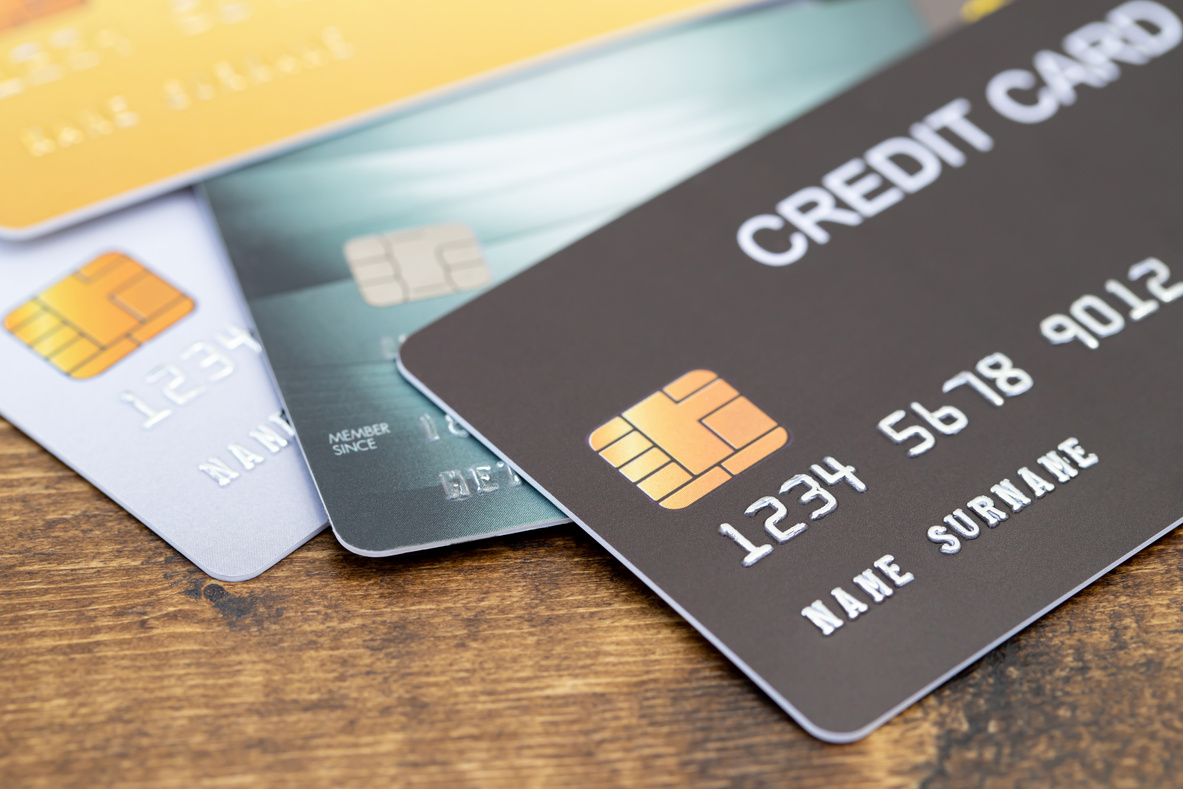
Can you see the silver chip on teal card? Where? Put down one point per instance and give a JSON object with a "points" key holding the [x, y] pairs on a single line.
{"points": [[408, 265]]}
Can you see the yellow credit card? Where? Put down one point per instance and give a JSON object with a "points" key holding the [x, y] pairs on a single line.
{"points": [[105, 102]]}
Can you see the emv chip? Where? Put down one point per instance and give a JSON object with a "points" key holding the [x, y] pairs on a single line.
{"points": [[97, 315], [408, 265], [681, 443], [16, 12]]}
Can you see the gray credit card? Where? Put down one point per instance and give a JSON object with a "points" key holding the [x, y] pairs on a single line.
{"points": [[876, 392], [343, 248]]}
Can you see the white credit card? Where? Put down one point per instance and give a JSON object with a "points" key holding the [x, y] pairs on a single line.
{"points": [[124, 351]]}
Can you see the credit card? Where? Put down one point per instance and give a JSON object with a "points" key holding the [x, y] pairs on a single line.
{"points": [[343, 248], [868, 397], [145, 97], [126, 353]]}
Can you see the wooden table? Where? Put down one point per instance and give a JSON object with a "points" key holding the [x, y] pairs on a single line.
{"points": [[533, 660]]}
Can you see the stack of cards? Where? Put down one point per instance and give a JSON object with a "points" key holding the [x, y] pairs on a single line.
{"points": [[125, 349], [346, 247], [861, 382]]}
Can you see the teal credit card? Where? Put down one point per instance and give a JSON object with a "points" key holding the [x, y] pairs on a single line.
{"points": [[344, 248]]}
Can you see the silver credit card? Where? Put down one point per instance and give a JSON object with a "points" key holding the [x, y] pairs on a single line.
{"points": [[125, 352]]}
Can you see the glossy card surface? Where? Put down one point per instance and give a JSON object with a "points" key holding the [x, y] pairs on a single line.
{"points": [[958, 288], [125, 353], [148, 95], [345, 247]]}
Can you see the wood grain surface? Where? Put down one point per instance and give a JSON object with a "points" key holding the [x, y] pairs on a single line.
{"points": [[532, 660]]}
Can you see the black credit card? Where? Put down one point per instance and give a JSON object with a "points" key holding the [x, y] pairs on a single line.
{"points": [[871, 395]]}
